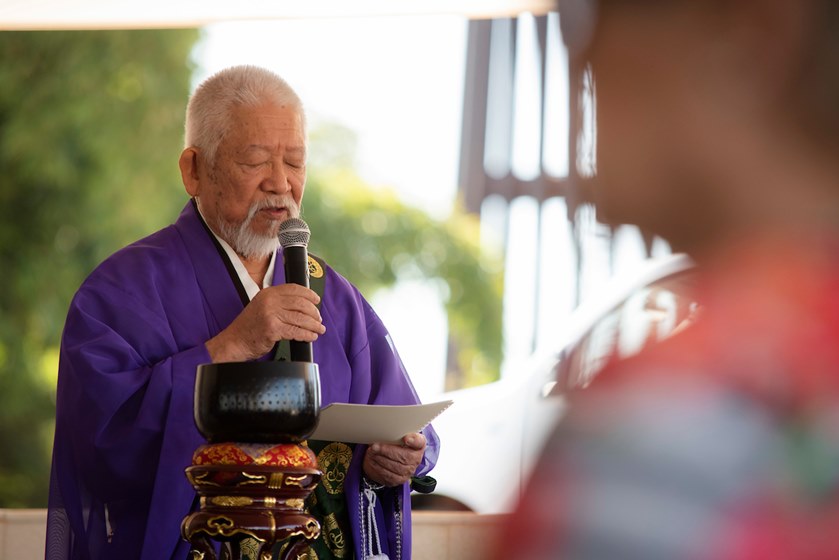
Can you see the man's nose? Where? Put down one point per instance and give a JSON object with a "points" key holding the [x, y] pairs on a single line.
{"points": [[277, 180]]}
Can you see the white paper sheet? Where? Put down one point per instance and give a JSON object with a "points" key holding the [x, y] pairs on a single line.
{"points": [[371, 423]]}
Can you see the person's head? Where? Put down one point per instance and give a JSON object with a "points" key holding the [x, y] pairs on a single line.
{"points": [[712, 115], [245, 156]]}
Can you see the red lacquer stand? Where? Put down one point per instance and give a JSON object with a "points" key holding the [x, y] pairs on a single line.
{"points": [[252, 495], [251, 507]]}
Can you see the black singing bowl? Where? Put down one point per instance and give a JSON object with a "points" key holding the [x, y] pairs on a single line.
{"points": [[260, 402]]}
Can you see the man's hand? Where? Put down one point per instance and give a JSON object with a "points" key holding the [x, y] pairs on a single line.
{"points": [[288, 311], [393, 464]]}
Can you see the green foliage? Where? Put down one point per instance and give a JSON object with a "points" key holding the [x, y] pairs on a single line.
{"points": [[90, 131], [90, 128], [374, 239]]}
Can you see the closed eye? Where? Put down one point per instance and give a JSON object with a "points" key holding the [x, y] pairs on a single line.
{"points": [[254, 165]]}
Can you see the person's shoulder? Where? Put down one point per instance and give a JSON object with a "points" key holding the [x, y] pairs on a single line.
{"points": [[161, 251], [147, 257], [335, 282], [343, 298]]}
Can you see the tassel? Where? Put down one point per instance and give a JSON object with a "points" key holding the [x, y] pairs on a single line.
{"points": [[373, 531]]}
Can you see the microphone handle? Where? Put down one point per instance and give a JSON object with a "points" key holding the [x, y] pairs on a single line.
{"points": [[296, 263]]}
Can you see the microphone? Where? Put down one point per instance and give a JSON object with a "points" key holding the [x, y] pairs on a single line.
{"points": [[294, 238]]}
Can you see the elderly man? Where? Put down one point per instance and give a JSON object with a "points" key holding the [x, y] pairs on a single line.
{"points": [[209, 289], [718, 128]]}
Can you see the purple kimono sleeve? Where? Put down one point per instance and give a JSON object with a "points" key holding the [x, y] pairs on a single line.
{"points": [[124, 407]]}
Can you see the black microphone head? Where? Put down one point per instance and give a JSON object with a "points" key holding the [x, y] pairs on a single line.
{"points": [[294, 232]]}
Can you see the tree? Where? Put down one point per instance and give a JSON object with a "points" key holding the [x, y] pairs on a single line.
{"points": [[89, 123], [374, 239], [90, 131]]}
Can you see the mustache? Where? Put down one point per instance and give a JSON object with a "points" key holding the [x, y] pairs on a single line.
{"points": [[279, 201]]}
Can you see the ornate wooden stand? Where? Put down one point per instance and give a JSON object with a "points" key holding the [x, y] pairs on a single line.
{"points": [[250, 509], [251, 495], [251, 498]]}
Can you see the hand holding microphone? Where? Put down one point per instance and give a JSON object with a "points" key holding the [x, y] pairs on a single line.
{"points": [[285, 312], [294, 238]]}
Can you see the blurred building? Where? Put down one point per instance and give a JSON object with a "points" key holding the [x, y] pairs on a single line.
{"points": [[526, 155]]}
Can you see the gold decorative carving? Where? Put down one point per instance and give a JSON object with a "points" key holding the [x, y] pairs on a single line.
{"points": [[249, 547], [253, 479], [270, 501], [310, 531], [309, 554], [222, 526], [296, 503], [295, 480], [232, 501], [282, 549], [198, 479], [276, 481], [273, 524]]}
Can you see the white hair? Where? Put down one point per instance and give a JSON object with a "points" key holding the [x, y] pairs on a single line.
{"points": [[208, 111]]}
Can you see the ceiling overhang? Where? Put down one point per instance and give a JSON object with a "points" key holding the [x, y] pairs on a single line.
{"points": [[147, 14]]}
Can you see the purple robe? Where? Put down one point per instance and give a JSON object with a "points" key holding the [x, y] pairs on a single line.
{"points": [[134, 335]]}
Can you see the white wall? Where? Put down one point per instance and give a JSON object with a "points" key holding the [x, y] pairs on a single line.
{"points": [[437, 535]]}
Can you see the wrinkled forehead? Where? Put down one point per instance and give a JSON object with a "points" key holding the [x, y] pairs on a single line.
{"points": [[271, 113], [266, 125]]}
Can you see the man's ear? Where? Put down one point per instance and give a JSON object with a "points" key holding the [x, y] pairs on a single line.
{"points": [[188, 163]]}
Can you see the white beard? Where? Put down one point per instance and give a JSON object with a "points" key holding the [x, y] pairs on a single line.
{"points": [[248, 243]]}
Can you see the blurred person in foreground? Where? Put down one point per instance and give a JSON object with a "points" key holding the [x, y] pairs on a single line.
{"points": [[718, 129], [211, 288]]}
